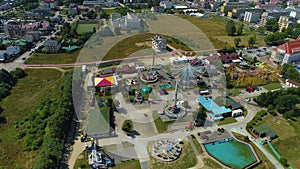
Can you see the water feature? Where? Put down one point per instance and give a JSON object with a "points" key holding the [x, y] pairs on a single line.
{"points": [[231, 152]]}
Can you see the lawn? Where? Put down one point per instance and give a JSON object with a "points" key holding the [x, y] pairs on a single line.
{"points": [[37, 85], [187, 159], [227, 120], [196, 143], [210, 163], [84, 28], [160, 125], [288, 142], [82, 162], [265, 163], [215, 29], [59, 58], [272, 86], [98, 120], [110, 11], [133, 164]]}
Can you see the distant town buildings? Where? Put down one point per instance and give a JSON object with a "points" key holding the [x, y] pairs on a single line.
{"points": [[49, 3], [159, 9], [51, 46], [252, 17]]}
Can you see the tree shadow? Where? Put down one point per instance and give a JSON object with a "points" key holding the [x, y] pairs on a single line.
{"points": [[3, 120]]}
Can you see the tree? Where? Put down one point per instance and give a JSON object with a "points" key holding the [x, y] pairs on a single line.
{"points": [[230, 28], [240, 29], [201, 116], [289, 72], [261, 30], [272, 25], [237, 41], [18, 73], [251, 41], [276, 38]]}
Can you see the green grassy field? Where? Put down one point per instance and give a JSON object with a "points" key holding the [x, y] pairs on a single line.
{"points": [[272, 86], [160, 125], [133, 164], [187, 159], [197, 144], [38, 85], [84, 28], [227, 120], [288, 139], [215, 30], [60, 58], [210, 163]]}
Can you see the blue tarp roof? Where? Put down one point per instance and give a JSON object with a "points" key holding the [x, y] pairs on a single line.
{"points": [[210, 105]]}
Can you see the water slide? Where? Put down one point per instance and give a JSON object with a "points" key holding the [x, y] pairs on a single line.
{"points": [[274, 150]]}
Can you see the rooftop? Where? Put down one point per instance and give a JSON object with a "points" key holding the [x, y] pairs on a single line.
{"points": [[290, 47]]}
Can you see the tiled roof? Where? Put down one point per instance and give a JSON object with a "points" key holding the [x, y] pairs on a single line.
{"points": [[290, 47]]}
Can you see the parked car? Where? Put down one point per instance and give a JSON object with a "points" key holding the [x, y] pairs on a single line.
{"points": [[248, 99]]}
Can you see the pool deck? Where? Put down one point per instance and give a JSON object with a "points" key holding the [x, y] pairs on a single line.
{"points": [[216, 136]]}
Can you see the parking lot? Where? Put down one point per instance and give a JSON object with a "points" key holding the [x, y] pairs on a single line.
{"points": [[257, 51]]}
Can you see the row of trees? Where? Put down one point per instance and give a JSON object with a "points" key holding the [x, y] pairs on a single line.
{"points": [[9, 79], [282, 101], [289, 72], [46, 126]]}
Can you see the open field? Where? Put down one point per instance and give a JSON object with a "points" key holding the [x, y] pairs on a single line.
{"points": [[128, 46], [272, 86], [187, 159], [288, 141], [38, 85], [265, 163], [84, 28], [59, 58], [133, 164], [215, 30], [210, 163]]}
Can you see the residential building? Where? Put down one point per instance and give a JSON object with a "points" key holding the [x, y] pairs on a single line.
{"points": [[13, 29], [285, 22], [236, 12], [92, 4], [4, 6], [52, 46], [288, 52], [295, 14], [158, 9], [270, 7], [251, 17], [228, 6], [273, 14], [49, 3], [73, 9], [166, 4], [42, 11], [115, 19], [229, 58], [13, 50], [132, 21], [34, 34], [291, 83], [159, 43]]}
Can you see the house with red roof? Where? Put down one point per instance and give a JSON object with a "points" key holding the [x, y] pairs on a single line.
{"points": [[155, 9], [288, 52], [49, 3], [229, 58]]}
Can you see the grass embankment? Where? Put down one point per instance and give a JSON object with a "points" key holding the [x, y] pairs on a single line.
{"points": [[58, 58], [215, 29], [129, 45], [187, 159], [37, 85], [160, 125], [288, 141], [197, 144]]}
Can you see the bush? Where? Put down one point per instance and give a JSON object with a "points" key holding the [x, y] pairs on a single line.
{"points": [[127, 126], [284, 162]]}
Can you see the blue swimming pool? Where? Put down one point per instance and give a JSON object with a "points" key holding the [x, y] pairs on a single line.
{"points": [[231, 153]]}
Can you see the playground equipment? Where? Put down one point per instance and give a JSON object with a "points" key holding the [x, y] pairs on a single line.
{"points": [[167, 150], [149, 76], [138, 98], [98, 159], [175, 110]]}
